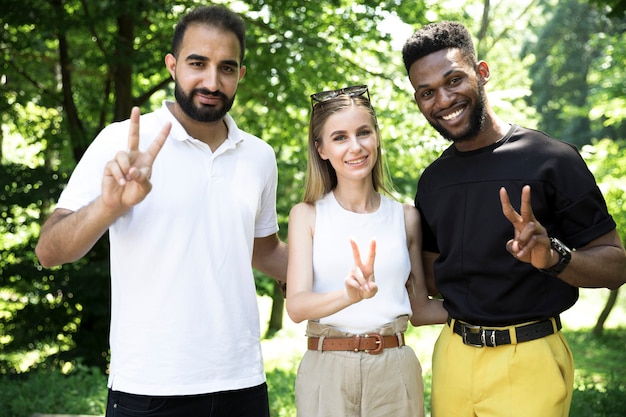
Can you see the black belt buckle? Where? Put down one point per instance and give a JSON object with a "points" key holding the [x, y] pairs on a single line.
{"points": [[476, 336], [472, 335]]}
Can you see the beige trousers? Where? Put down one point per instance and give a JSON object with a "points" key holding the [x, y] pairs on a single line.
{"points": [[358, 384]]}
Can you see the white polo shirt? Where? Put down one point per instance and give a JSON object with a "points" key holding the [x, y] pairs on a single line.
{"points": [[184, 312]]}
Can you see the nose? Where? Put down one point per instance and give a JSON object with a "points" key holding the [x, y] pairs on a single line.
{"points": [[355, 145], [210, 79], [444, 98]]}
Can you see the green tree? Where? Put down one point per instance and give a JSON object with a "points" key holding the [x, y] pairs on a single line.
{"points": [[607, 160], [69, 67], [576, 74]]}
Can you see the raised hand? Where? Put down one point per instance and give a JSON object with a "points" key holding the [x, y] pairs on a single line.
{"points": [[127, 177], [360, 282], [530, 243]]}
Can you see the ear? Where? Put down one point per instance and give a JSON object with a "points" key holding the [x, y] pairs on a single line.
{"points": [[242, 72], [320, 150], [170, 64], [482, 69]]}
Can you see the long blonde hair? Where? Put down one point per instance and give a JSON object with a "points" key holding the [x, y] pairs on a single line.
{"points": [[321, 177]]}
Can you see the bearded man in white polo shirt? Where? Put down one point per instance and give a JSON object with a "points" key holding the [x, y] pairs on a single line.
{"points": [[189, 203]]}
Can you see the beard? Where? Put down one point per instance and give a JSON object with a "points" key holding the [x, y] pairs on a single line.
{"points": [[202, 113], [476, 122]]}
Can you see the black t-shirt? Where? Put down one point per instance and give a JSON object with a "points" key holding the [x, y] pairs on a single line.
{"points": [[462, 219]]}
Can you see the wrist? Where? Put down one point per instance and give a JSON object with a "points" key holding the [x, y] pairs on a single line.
{"points": [[564, 255]]}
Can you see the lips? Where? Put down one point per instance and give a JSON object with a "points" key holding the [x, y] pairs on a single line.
{"points": [[451, 116], [210, 100], [357, 161]]}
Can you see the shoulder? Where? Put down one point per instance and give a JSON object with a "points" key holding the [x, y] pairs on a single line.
{"points": [[301, 217], [549, 143], [301, 210], [411, 215]]}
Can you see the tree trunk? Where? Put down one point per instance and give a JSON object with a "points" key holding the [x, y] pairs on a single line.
{"points": [[122, 68], [610, 302]]}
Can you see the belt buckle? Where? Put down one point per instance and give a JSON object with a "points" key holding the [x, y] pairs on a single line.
{"points": [[379, 344], [472, 329]]}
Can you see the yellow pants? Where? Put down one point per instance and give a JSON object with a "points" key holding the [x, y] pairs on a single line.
{"points": [[529, 379]]}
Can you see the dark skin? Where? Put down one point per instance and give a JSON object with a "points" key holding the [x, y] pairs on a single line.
{"points": [[447, 91]]}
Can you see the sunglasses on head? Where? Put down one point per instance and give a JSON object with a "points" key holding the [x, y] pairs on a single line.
{"points": [[354, 91]]}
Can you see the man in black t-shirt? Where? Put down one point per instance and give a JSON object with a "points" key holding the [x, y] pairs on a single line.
{"points": [[505, 275]]}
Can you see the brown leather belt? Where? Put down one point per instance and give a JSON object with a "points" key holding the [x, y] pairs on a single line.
{"points": [[368, 343]]}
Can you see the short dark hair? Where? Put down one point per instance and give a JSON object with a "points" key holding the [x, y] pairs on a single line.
{"points": [[435, 37], [214, 16]]}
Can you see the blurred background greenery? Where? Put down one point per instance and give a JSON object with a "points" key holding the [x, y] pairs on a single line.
{"points": [[69, 67]]}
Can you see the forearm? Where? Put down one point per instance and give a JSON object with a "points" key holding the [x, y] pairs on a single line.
{"points": [[312, 306], [271, 259], [428, 311], [596, 267], [67, 236]]}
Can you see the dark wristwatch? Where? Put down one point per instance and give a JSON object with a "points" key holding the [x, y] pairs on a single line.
{"points": [[565, 255]]}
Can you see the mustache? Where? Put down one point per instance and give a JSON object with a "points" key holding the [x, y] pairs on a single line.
{"points": [[207, 92]]}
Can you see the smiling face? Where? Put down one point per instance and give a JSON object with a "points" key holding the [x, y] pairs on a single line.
{"points": [[450, 93], [206, 72], [349, 141]]}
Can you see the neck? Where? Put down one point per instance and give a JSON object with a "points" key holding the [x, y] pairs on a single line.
{"points": [[358, 200], [493, 130]]}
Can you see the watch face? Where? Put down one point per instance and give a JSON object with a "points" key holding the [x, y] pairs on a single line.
{"points": [[558, 246]]}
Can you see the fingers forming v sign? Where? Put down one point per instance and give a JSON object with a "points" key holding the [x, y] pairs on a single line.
{"points": [[360, 282], [530, 243], [127, 177]]}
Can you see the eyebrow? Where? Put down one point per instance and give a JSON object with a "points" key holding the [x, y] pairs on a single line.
{"points": [[445, 75], [344, 131], [197, 57]]}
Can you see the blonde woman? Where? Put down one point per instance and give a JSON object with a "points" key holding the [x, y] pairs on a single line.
{"points": [[355, 271]]}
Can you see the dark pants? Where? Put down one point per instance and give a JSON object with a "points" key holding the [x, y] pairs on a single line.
{"points": [[249, 402]]}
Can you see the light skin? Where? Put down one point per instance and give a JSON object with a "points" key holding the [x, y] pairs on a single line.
{"points": [[209, 59], [349, 142], [446, 90]]}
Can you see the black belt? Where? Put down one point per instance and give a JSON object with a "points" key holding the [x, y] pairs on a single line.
{"points": [[478, 336]]}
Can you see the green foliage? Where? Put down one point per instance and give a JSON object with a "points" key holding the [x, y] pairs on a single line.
{"points": [[68, 68], [82, 391], [576, 77], [600, 380], [607, 160]]}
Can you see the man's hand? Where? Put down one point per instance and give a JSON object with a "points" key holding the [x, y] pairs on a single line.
{"points": [[531, 243], [127, 177], [360, 282]]}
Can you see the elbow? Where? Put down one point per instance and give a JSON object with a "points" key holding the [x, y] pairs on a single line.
{"points": [[293, 313], [42, 257], [45, 257]]}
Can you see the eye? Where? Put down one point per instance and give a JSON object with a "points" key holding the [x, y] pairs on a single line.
{"points": [[426, 94], [338, 138], [197, 64], [364, 132], [455, 80]]}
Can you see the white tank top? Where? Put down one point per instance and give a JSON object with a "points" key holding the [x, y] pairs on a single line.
{"points": [[333, 260]]}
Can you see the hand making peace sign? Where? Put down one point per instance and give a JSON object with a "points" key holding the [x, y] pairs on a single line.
{"points": [[127, 177], [531, 243], [360, 281]]}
